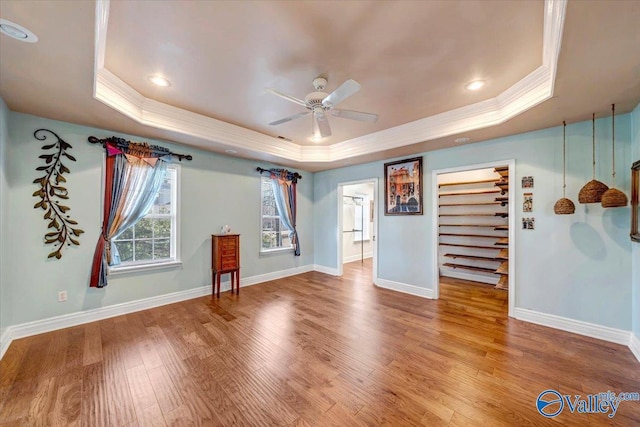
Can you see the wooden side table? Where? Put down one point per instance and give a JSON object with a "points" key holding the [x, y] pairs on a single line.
{"points": [[225, 258]]}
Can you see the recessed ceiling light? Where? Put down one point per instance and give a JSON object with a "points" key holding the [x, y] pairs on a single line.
{"points": [[17, 31], [474, 85], [159, 80], [464, 139], [316, 138], [231, 151]]}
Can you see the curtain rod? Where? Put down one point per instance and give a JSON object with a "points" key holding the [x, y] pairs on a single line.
{"points": [[354, 197], [156, 150], [295, 175]]}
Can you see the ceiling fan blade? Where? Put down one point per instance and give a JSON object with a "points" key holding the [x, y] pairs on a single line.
{"points": [[287, 97], [355, 115], [288, 119], [323, 125], [345, 90]]}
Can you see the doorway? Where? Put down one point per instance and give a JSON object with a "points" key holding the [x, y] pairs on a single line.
{"points": [[358, 224], [474, 226]]}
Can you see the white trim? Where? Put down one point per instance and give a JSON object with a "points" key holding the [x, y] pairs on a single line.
{"points": [[139, 268], [511, 163], [266, 277], [579, 327], [357, 257], [405, 288], [634, 345], [73, 319], [530, 91], [326, 270]]}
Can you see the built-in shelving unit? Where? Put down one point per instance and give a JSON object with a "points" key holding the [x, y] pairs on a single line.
{"points": [[473, 223]]}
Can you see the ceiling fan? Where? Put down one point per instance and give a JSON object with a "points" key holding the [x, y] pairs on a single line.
{"points": [[320, 103]]}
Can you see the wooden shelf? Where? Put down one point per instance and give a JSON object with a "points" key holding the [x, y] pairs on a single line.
{"points": [[502, 214], [503, 283], [467, 182], [468, 193], [485, 236], [502, 228], [469, 204], [474, 257], [504, 187], [503, 171], [503, 241], [468, 267], [459, 245], [504, 268], [503, 200]]}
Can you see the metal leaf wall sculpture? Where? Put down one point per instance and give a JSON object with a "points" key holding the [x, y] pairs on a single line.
{"points": [[51, 189]]}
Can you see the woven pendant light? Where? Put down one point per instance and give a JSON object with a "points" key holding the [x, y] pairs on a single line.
{"points": [[593, 190], [564, 206], [613, 198]]}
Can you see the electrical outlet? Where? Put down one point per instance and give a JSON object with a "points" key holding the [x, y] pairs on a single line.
{"points": [[62, 296]]}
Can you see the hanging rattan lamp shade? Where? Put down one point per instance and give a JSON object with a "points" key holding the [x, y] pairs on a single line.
{"points": [[593, 190], [613, 198], [564, 206]]}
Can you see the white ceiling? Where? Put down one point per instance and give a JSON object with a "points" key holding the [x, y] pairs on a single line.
{"points": [[543, 63]]}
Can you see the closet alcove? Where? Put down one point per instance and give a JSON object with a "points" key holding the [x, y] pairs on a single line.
{"points": [[473, 225]]}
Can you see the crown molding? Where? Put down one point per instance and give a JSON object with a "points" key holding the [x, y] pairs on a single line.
{"points": [[532, 90]]}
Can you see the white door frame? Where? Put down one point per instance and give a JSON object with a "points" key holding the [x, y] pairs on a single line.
{"points": [[512, 223], [374, 232]]}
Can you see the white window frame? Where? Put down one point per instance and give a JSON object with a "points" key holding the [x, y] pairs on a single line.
{"points": [[274, 250], [174, 260]]}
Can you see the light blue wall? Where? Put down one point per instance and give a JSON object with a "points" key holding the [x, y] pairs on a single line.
{"points": [[576, 266], [635, 126], [216, 190], [5, 304]]}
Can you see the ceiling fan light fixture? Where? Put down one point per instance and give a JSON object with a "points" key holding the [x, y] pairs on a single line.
{"points": [[475, 85], [17, 31], [159, 80]]}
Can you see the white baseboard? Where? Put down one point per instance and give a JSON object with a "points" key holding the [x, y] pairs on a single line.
{"points": [[67, 320], [634, 345], [604, 333], [404, 288], [357, 257], [266, 277], [326, 270]]}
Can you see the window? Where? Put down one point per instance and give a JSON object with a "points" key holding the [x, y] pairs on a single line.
{"points": [[274, 234], [153, 241]]}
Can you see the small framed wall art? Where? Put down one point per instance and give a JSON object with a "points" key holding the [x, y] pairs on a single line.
{"points": [[527, 182], [527, 203], [403, 187]]}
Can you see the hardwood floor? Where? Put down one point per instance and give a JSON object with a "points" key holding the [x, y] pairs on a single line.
{"points": [[312, 350]]}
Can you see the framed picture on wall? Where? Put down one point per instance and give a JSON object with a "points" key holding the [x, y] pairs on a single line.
{"points": [[635, 201], [403, 187]]}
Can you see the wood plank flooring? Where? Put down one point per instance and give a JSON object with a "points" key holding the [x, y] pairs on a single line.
{"points": [[312, 350]]}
